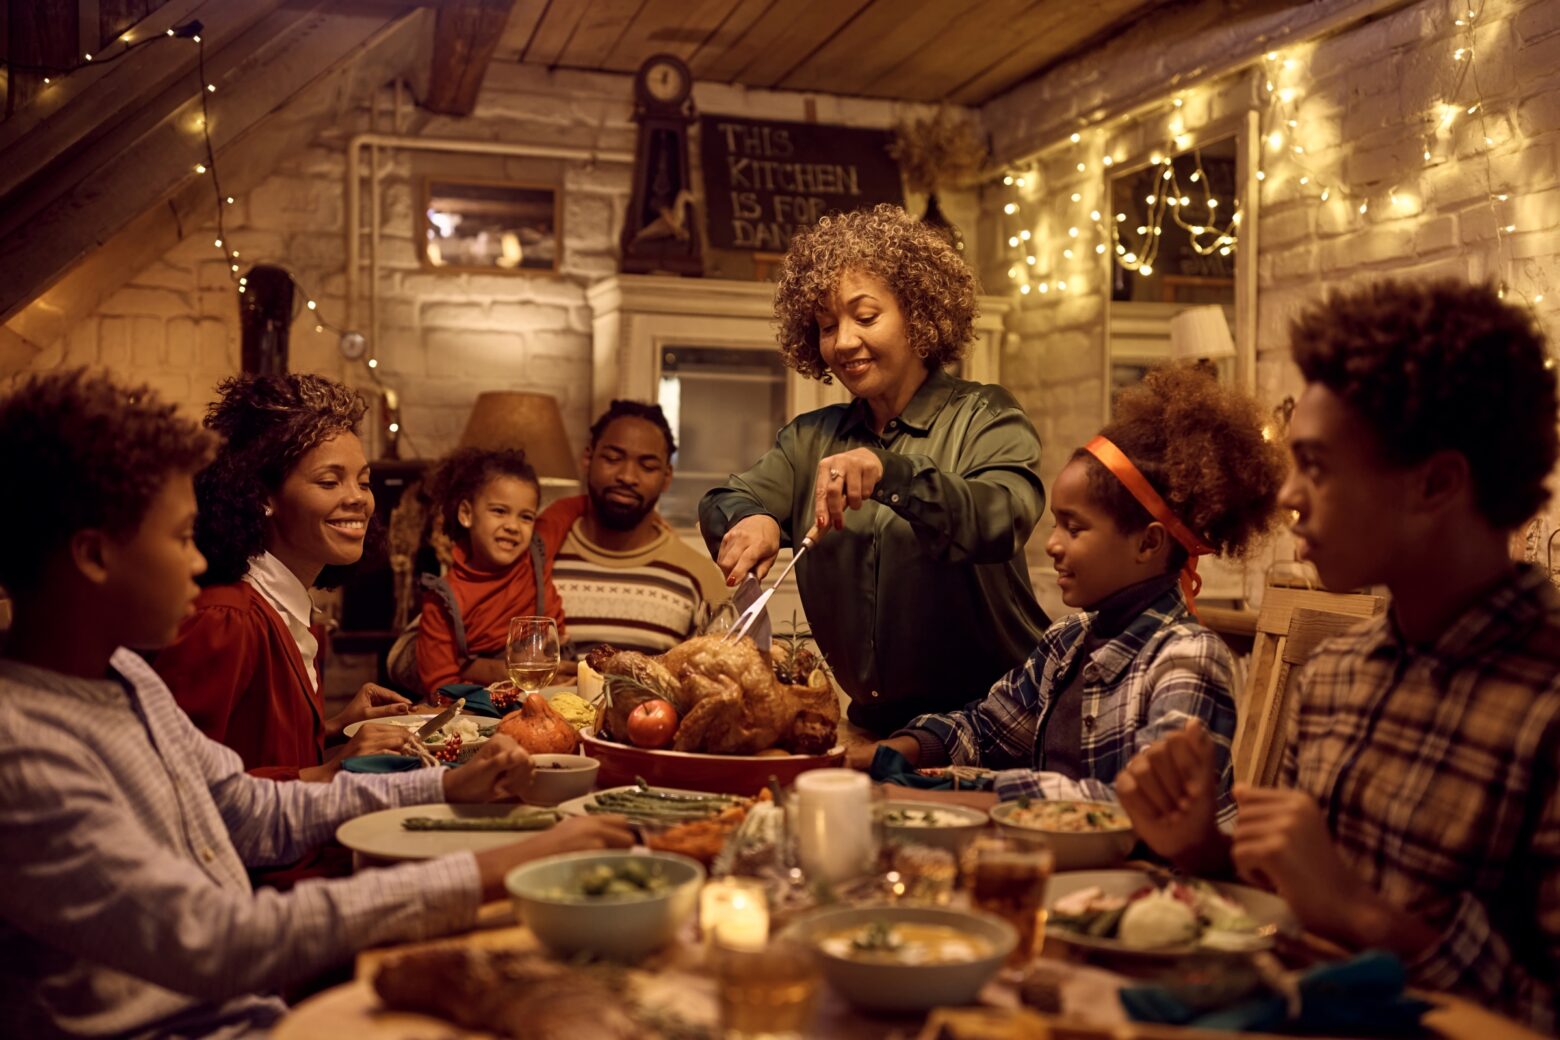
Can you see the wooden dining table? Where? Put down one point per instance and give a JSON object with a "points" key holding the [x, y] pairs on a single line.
{"points": [[1084, 1000]]}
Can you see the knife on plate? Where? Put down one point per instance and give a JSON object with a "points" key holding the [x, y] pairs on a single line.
{"points": [[440, 720]]}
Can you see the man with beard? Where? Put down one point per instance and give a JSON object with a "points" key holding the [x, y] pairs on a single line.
{"points": [[625, 577]]}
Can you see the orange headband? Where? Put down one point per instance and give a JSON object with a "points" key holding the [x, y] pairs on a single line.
{"points": [[1115, 460]]}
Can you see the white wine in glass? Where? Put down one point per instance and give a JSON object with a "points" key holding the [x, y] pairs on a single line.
{"points": [[531, 657]]}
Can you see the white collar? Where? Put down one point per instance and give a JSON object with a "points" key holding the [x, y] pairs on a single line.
{"points": [[281, 586]]}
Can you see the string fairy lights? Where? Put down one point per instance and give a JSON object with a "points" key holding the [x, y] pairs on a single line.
{"points": [[1187, 201], [1207, 235], [1290, 159], [207, 167]]}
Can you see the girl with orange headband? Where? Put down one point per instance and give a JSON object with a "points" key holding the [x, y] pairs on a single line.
{"points": [[1182, 471]]}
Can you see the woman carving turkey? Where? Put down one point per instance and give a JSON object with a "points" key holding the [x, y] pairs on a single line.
{"points": [[926, 486]]}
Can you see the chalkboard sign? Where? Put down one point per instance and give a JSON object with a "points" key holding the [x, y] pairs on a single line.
{"points": [[764, 181]]}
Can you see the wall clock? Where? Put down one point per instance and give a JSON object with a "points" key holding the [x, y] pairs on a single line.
{"points": [[660, 232]]}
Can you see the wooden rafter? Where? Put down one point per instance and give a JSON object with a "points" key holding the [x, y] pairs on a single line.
{"points": [[133, 194], [465, 36], [41, 34]]}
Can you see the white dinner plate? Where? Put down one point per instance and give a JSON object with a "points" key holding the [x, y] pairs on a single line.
{"points": [[379, 835], [1270, 913], [413, 722]]}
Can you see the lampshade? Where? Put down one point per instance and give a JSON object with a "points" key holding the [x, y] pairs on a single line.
{"points": [[1201, 332], [532, 422]]}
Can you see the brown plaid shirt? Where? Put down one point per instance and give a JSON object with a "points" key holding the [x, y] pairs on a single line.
{"points": [[1439, 771]]}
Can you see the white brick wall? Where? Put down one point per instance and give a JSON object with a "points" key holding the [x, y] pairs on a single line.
{"points": [[1366, 97]]}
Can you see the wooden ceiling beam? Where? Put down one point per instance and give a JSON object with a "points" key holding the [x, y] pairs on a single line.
{"points": [[83, 105], [465, 36], [116, 16], [111, 188], [400, 48], [43, 34]]}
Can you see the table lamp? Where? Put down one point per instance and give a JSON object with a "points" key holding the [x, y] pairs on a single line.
{"points": [[1201, 332], [518, 419]]}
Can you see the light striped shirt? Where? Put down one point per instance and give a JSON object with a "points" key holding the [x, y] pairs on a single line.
{"points": [[1153, 678], [646, 599], [125, 908]]}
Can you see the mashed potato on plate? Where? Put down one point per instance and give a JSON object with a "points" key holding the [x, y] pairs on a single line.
{"points": [[1156, 921]]}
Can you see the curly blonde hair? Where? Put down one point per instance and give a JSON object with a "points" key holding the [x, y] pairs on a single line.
{"points": [[1200, 444], [934, 288]]}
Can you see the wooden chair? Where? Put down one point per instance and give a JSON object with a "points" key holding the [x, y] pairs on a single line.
{"points": [[1290, 625]]}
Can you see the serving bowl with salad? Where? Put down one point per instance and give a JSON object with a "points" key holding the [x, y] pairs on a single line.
{"points": [[1082, 835], [619, 904], [931, 823]]}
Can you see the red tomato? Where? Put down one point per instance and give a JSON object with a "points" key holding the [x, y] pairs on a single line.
{"points": [[652, 724]]}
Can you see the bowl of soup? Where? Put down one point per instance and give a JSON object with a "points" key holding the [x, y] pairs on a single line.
{"points": [[905, 958], [1082, 835]]}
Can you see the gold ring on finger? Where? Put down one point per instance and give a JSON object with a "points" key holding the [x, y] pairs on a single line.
{"points": [[834, 474]]}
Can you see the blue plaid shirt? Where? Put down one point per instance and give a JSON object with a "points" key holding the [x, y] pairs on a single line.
{"points": [[1161, 672]]}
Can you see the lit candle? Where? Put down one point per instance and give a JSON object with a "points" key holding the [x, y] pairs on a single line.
{"points": [[834, 823], [734, 912]]}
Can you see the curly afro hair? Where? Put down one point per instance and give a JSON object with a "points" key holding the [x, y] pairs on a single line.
{"points": [[931, 283], [1200, 444], [1442, 366], [82, 452], [463, 474], [267, 423]]}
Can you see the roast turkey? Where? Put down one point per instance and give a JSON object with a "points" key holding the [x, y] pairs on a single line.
{"points": [[727, 697]]}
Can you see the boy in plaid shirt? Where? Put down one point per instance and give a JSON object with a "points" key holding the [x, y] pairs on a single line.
{"points": [[1420, 811]]}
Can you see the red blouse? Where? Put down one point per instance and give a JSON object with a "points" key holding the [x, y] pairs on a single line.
{"points": [[237, 673]]}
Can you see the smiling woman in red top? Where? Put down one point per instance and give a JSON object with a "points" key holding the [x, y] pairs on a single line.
{"points": [[286, 501]]}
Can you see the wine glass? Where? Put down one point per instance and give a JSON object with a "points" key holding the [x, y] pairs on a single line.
{"points": [[531, 657], [713, 619]]}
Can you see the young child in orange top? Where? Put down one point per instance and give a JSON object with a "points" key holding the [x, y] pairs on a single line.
{"points": [[489, 501]]}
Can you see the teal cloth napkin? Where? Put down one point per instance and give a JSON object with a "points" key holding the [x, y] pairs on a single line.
{"points": [[1358, 997], [382, 764], [890, 767], [478, 700]]}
